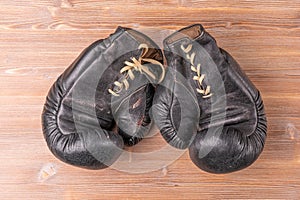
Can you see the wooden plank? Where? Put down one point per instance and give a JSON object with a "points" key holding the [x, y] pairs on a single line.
{"points": [[104, 17]]}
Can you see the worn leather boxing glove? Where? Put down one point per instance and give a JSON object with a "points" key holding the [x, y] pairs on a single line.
{"points": [[232, 127], [106, 87]]}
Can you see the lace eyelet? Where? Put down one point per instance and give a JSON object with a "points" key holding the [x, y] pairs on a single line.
{"points": [[205, 92], [136, 65]]}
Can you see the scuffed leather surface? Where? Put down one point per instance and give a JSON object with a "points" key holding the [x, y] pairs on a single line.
{"points": [[131, 108], [78, 127], [175, 110], [232, 126], [135, 125]]}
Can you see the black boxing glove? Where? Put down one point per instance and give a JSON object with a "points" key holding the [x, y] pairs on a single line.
{"points": [[232, 127], [92, 96]]}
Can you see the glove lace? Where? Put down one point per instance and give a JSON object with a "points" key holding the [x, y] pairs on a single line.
{"points": [[136, 65], [198, 77]]}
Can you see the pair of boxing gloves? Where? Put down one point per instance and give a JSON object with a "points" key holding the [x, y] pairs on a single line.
{"points": [[118, 86]]}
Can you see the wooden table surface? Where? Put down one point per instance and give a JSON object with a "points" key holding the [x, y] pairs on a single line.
{"points": [[39, 39]]}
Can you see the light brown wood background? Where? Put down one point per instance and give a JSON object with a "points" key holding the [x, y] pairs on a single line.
{"points": [[40, 38]]}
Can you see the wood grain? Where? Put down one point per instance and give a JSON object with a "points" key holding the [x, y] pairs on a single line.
{"points": [[39, 39]]}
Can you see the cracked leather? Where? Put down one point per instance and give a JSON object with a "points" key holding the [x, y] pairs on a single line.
{"points": [[232, 127], [79, 121]]}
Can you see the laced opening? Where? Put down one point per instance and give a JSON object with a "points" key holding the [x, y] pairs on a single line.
{"points": [[136, 65], [197, 69]]}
